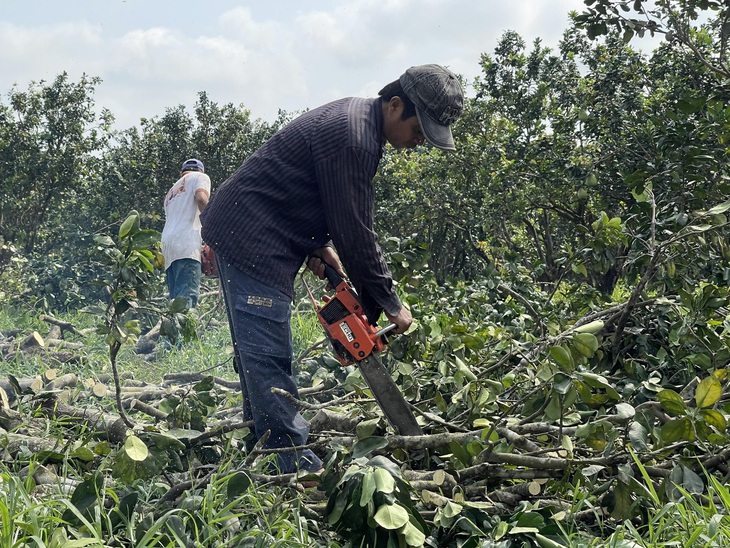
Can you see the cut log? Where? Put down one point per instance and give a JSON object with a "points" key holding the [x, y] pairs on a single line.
{"points": [[147, 343], [61, 343], [106, 425], [15, 443], [34, 341], [133, 403], [436, 480], [189, 378], [62, 325], [68, 380], [54, 333], [326, 420]]}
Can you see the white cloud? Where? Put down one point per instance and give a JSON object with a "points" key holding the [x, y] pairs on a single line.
{"points": [[43, 52], [286, 54]]}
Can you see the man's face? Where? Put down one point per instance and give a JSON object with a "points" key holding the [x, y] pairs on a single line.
{"points": [[398, 132]]}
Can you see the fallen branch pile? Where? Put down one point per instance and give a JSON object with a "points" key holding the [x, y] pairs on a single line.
{"points": [[506, 462]]}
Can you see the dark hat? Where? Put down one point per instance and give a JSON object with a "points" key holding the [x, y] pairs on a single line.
{"points": [[192, 165], [439, 100]]}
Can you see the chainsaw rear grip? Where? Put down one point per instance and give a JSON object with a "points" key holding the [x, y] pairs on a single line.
{"points": [[332, 276]]}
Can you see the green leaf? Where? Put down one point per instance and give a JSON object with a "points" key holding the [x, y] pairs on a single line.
{"points": [[337, 508], [519, 530], [590, 327], [381, 461], [716, 210], [562, 384], [586, 344], [129, 225], [708, 392], [238, 484], [83, 453], [553, 410], [638, 436], [365, 429], [84, 498], [714, 418], [699, 228], [384, 482], [461, 366], [677, 430], [592, 470], [364, 447], [368, 487], [672, 402], [179, 305], [145, 239], [136, 449], [413, 535], [685, 478], [531, 519], [625, 410], [599, 381], [545, 542], [205, 385], [104, 240], [391, 516], [622, 502], [562, 357], [451, 509], [146, 264]]}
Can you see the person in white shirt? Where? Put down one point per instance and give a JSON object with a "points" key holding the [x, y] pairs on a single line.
{"points": [[181, 240]]}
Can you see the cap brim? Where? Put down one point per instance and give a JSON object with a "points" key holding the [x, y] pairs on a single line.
{"points": [[437, 134]]}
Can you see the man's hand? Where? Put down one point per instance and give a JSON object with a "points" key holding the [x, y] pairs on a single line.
{"points": [[402, 320], [321, 256]]}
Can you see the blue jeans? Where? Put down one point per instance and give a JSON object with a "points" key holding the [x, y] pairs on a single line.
{"points": [[183, 280], [259, 318]]}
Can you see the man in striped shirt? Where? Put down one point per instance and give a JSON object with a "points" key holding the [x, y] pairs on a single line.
{"points": [[304, 194]]}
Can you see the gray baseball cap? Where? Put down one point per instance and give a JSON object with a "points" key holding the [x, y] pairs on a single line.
{"points": [[439, 100], [193, 164]]}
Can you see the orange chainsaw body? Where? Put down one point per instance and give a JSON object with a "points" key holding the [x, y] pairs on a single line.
{"points": [[352, 336]]}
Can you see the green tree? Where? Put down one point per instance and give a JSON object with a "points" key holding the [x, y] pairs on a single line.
{"points": [[143, 162], [50, 139]]}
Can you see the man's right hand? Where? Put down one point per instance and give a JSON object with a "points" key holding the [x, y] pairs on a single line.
{"points": [[402, 320], [323, 255]]}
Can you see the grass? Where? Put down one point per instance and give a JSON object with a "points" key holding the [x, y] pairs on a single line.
{"points": [[211, 519], [271, 516]]}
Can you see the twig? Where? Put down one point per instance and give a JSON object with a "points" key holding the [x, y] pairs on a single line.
{"points": [[134, 403], [257, 449], [216, 432], [65, 326], [316, 406], [177, 490]]}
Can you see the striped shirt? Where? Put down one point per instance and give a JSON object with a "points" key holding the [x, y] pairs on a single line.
{"points": [[310, 184]]}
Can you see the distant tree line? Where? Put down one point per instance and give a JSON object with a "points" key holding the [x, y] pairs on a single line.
{"points": [[580, 163]]}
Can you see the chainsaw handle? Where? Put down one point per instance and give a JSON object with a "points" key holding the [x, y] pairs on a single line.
{"points": [[387, 329], [332, 276]]}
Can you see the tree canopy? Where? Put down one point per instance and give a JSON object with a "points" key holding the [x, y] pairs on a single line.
{"points": [[567, 267]]}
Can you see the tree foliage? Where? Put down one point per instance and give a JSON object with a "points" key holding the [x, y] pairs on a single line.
{"points": [[50, 137], [567, 268]]}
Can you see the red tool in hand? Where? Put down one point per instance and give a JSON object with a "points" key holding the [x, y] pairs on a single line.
{"points": [[355, 340]]}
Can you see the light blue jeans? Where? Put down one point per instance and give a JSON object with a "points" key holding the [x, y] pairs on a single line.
{"points": [[183, 280], [259, 318]]}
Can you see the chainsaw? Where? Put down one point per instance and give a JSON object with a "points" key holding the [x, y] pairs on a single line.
{"points": [[355, 341]]}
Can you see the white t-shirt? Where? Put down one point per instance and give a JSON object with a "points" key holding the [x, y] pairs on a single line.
{"points": [[181, 235]]}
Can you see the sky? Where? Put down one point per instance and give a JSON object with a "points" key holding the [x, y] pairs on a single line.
{"points": [[263, 55]]}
